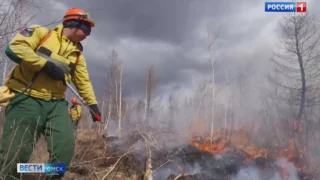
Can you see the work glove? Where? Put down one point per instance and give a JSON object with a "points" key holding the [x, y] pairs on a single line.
{"points": [[95, 113], [55, 72]]}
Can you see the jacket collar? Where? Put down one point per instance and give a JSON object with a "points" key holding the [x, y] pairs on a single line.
{"points": [[59, 29]]}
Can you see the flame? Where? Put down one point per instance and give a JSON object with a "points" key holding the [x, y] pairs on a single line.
{"points": [[221, 142], [206, 145]]}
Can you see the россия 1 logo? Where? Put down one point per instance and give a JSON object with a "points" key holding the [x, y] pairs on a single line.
{"points": [[298, 8]]}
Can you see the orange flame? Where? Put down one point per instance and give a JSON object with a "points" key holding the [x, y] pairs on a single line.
{"points": [[239, 141]]}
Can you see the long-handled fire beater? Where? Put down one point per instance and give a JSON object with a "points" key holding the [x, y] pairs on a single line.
{"points": [[67, 70], [83, 102]]}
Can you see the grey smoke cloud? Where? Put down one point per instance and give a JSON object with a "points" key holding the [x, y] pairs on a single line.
{"points": [[171, 35]]}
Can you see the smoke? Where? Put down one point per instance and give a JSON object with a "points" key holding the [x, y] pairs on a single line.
{"points": [[282, 170], [111, 128], [164, 173], [184, 114]]}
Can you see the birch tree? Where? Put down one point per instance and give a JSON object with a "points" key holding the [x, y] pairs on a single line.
{"points": [[115, 90], [212, 38]]}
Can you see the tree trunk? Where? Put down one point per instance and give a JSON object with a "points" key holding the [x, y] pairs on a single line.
{"points": [[303, 80]]}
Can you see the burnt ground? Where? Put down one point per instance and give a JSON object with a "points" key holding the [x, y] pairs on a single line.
{"points": [[201, 164], [189, 162]]}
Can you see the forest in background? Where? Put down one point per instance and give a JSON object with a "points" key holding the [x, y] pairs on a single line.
{"points": [[275, 110]]}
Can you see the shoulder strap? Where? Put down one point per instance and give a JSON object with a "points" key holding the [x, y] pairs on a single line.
{"points": [[46, 37]]}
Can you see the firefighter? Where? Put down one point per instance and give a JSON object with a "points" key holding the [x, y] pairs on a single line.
{"points": [[39, 106], [75, 113]]}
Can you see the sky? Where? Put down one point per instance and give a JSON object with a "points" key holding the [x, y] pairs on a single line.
{"points": [[172, 36]]}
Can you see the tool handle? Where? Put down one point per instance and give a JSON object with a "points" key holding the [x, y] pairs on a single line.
{"points": [[97, 117]]}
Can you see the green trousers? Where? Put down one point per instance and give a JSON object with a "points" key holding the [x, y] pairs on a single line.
{"points": [[28, 118]]}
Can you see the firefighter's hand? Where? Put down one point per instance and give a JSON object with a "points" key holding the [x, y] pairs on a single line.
{"points": [[96, 115], [54, 72]]}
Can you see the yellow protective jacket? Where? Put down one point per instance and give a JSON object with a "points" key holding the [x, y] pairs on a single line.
{"points": [[75, 112], [22, 50]]}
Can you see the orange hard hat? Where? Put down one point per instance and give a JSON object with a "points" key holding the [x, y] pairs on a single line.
{"points": [[78, 14], [74, 100]]}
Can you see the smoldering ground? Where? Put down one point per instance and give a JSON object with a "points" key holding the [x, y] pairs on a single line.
{"points": [[171, 160]]}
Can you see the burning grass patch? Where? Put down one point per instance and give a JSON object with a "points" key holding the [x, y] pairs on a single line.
{"points": [[148, 152]]}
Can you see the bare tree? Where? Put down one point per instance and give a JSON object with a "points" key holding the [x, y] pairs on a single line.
{"points": [[115, 90], [296, 75], [173, 109], [226, 111], [212, 37], [198, 103], [151, 83], [120, 115], [297, 62]]}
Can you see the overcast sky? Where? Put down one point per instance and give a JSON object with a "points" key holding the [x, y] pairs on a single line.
{"points": [[172, 36]]}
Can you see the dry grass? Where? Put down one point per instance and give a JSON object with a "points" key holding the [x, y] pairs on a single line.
{"points": [[90, 150], [90, 160], [40, 154], [89, 155]]}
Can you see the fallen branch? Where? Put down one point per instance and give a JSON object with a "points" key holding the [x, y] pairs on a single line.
{"points": [[94, 175], [181, 175], [149, 139], [148, 173], [86, 162], [114, 165], [162, 165]]}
